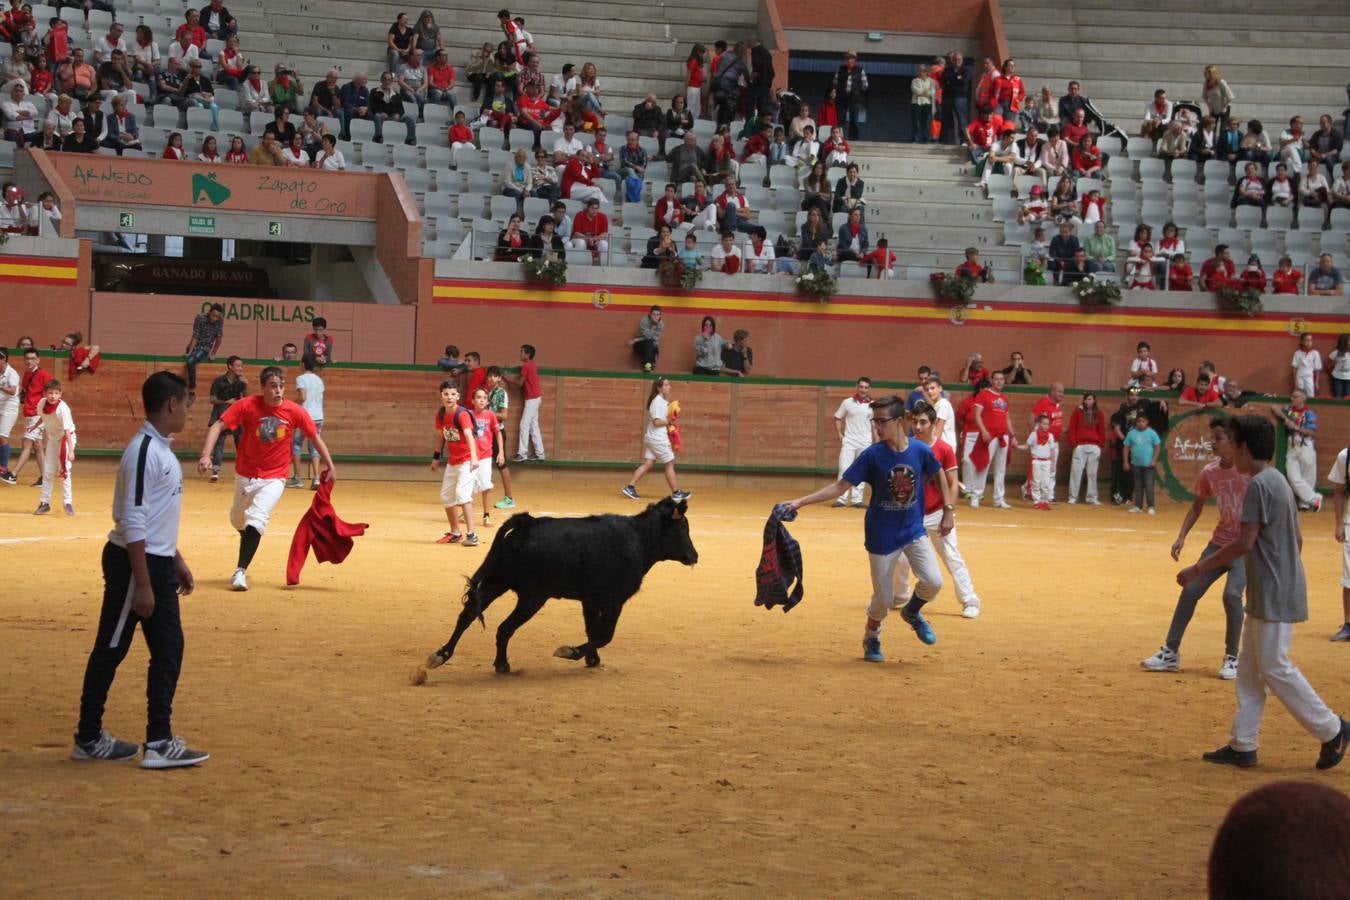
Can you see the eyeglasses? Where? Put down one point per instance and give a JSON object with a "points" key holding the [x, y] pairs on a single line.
{"points": [[883, 421]]}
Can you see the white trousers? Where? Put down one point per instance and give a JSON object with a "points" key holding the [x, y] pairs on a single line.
{"points": [[1042, 480], [998, 465], [1304, 383], [254, 500], [705, 218], [580, 244], [920, 557], [51, 469], [586, 192], [1264, 663], [1084, 462], [951, 558], [529, 428], [847, 454], [1300, 467]]}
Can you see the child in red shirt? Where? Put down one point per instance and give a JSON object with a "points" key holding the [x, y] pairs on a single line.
{"points": [[1286, 278], [456, 438], [486, 427], [57, 43], [972, 269], [1180, 275], [881, 258], [1253, 276]]}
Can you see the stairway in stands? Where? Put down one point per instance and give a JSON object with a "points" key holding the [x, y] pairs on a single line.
{"points": [[1282, 59]]}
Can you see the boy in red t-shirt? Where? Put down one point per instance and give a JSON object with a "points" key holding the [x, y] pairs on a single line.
{"points": [[486, 428], [265, 424], [31, 385], [477, 374], [455, 428], [528, 381], [1286, 278], [1180, 275]]}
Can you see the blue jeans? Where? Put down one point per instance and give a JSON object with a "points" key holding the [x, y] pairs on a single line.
{"points": [[407, 120], [921, 118], [196, 356], [218, 451]]}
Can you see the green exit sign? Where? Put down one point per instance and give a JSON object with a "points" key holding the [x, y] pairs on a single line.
{"points": [[274, 229], [201, 224], [126, 220]]}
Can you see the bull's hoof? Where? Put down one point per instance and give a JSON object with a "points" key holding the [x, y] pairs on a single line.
{"points": [[503, 667], [568, 653], [435, 661], [593, 660]]}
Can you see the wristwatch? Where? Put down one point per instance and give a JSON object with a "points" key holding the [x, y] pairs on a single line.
{"points": [[950, 507]]}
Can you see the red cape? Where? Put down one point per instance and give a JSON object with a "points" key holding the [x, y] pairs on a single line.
{"points": [[321, 529]]}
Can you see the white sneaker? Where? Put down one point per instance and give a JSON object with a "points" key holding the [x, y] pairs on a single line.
{"points": [[970, 612], [1165, 660], [1072, 501], [839, 504], [1094, 502], [1002, 504], [1135, 509], [1228, 671], [974, 502], [171, 754], [1152, 511], [240, 580]]}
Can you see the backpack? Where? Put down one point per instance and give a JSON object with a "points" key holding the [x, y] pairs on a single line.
{"points": [[632, 188]]}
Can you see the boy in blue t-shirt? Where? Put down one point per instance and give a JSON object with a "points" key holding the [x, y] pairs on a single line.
{"points": [[896, 468], [1142, 448]]}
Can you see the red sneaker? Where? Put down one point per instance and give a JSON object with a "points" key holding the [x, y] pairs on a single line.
{"points": [[450, 537]]}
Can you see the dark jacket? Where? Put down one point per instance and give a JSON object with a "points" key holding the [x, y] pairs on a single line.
{"points": [[842, 191], [648, 120], [955, 84], [390, 105], [778, 577], [845, 239], [761, 60], [354, 96]]}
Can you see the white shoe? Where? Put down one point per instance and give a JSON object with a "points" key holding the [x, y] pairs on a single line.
{"points": [[1165, 660], [1002, 504], [1094, 503], [1152, 511], [1135, 509], [970, 612], [974, 502], [1072, 501], [240, 580], [1228, 671], [839, 504]]}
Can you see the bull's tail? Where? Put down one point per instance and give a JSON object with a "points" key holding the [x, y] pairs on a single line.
{"points": [[475, 583]]}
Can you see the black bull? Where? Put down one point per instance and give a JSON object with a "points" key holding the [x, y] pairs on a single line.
{"points": [[599, 560]]}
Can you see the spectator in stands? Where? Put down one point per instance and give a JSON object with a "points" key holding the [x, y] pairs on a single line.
{"points": [[237, 154], [311, 132], [441, 81], [1143, 237], [1063, 246], [1171, 243], [719, 160], [973, 270], [546, 243], [1139, 274], [209, 152], [1004, 158], [1011, 93], [1064, 203], [1340, 188], [412, 80], [79, 140], [123, 133], [588, 89], [1085, 158], [590, 231], [633, 159], [1054, 157], [726, 256], [20, 117], [326, 98], [648, 118], [1281, 189], [848, 191], [1294, 147], [922, 96], [286, 89], [852, 243], [986, 88], [183, 49], [18, 27], [17, 67], [14, 215], [512, 244], [1035, 209], [800, 122], [267, 152], [1016, 372], [479, 69], [281, 126], [981, 136], [1250, 190], [534, 114], [518, 180], [294, 153], [806, 152], [144, 54], [95, 123], [732, 68], [498, 109], [814, 230], [647, 342], [192, 29], [1219, 271], [217, 22], [660, 247], [1174, 145], [1315, 193], [1253, 277], [1070, 103], [195, 91], [355, 100], [699, 209], [578, 179], [105, 45], [1157, 115], [686, 161], [386, 105], [114, 77], [174, 149], [679, 118], [1286, 278], [1076, 128], [398, 43], [77, 78], [1338, 361], [669, 210], [1217, 95], [1255, 144], [1205, 143], [253, 93], [735, 208], [1325, 280], [543, 175], [850, 84], [1180, 275], [427, 35], [834, 151], [562, 222], [329, 158], [1324, 144]]}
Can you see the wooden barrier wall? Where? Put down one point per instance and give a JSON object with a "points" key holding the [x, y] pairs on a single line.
{"points": [[385, 414]]}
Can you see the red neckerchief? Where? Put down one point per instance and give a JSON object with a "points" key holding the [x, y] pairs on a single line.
{"points": [[256, 81], [859, 398], [48, 407], [1042, 438], [1160, 105], [854, 229]]}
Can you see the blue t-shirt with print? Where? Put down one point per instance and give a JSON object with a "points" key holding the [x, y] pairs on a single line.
{"points": [[1140, 446], [895, 515]]}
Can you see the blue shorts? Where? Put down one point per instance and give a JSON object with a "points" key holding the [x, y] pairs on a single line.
{"points": [[298, 442]]}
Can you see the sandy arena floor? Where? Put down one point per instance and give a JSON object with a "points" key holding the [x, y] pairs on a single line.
{"points": [[723, 750]]}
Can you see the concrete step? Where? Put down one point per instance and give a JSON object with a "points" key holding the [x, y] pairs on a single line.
{"points": [[1266, 19], [537, 13], [328, 25], [659, 58], [1057, 72], [1166, 8], [1177, 58], [1141, 91]]}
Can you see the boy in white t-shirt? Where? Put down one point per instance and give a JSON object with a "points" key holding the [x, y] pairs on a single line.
{"points": [[853, 424], [1337, 476], [1043, 448], [1143, 368], [726, 256], [59, 452], [309, 389], [1307, 363], [9, 412]]}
